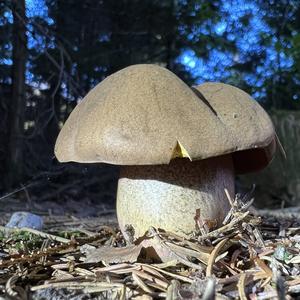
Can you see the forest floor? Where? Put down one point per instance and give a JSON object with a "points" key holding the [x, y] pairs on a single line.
{"points": [[80, 254]]}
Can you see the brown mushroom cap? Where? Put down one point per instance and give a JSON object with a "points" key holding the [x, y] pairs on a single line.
{"points": [[143, 113], [246, 121]]}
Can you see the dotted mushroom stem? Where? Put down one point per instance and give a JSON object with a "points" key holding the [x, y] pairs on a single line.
{"points": [[171, 196]]}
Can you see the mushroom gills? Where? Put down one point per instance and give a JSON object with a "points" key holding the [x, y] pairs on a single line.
{"points": [[169, 196]]}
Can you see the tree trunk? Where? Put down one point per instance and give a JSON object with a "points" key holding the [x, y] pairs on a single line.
{"points": [[170, 43], [17, 103]]}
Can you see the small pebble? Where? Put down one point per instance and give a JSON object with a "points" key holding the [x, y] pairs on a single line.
{"points": [[25, 219]]}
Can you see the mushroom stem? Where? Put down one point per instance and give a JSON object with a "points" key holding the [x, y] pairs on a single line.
{"points": [[169, 196]]}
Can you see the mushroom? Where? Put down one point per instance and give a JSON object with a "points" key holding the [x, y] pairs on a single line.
{"points": [[178, 147]]}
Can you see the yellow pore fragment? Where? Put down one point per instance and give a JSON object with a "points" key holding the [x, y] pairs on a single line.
{"points": [[180, 152]]}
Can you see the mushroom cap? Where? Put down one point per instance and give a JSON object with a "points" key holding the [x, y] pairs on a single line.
{"points": [[144, 114], [246, 121]]}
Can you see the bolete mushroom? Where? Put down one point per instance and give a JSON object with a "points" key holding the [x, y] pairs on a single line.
{"points": [[178, 147]]}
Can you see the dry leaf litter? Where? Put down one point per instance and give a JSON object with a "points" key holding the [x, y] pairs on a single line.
{"points": [[249, 257]]}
